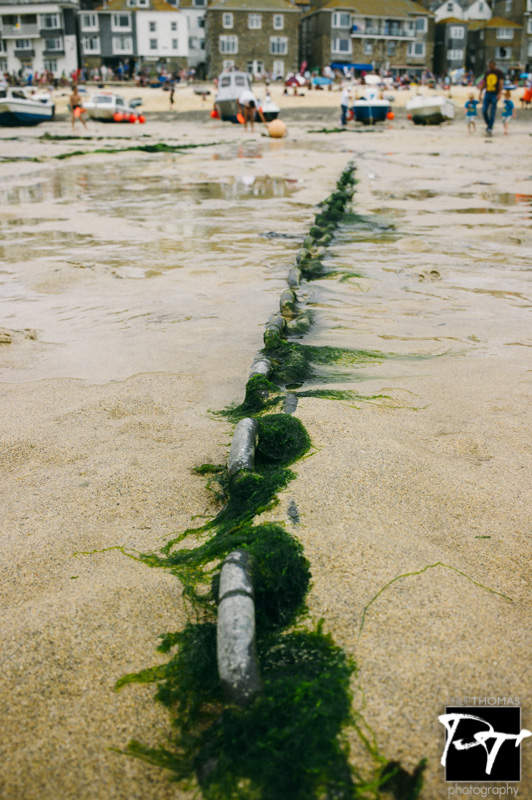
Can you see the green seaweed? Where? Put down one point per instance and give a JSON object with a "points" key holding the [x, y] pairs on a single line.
{"points": [[282, 440], [159, 147], [295, 363], [261, 395]]}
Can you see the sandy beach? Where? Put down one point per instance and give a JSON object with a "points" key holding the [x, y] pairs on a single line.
{"points": [[134, 290]]}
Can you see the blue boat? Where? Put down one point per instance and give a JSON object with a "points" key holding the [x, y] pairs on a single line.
{"points": [[17, 108], [372, 107]]}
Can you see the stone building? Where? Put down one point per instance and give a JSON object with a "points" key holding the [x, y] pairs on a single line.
{"points": [[365, 34], [519, 12], [496, 38], [38, 36], [257, 36]]}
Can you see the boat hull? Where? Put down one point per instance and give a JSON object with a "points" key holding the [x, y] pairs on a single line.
{"points": [[431, 112], [14, 115], [368, 113]]}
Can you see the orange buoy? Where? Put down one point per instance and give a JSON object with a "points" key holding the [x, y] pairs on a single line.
{"points": [[117, 116], [132, 117], [77, 112], [240, 118], [390, 115], [409, 116], [277, 129], [142, 119], [214, 114]]}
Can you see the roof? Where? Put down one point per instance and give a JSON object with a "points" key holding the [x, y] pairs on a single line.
{"points": [[253, 5], [379, 8], [121, 5], [494, 22], [452, 21]]}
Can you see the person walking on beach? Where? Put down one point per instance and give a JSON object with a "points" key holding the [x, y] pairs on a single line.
{"points": [[508, 110], [248, 105], [471, 113], [491, 84], [76, 107]]}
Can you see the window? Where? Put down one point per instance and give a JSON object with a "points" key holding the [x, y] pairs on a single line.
{"points": [[505, 33], [2, 46], [508, 6], [199, 3], [23, 44], [390, 48], [278, 45], [529, 51], [228, 64], [416, 49], [50, 65], [153, 44], [481, 6], [201, 22], [254, 21], [529, 5], [121, 22], [255, 68], [50, 21], [368, 48], [530, 26], [122, 45], [173, 26], [278, 22], [450, 7], [455, 55], [174, 44], [89, 22], [503, 53], [192, 42], [341, 46], [153, 27], [278, 69], [54, 44], [91, 44], [421, 24], [456, 32], [227, 20], [228, 44], [143, 3], [341, 20]]}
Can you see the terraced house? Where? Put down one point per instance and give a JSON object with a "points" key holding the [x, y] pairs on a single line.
{"points": [[365, 34], [257, 36], [38, 36], [136, 33], [520, 13], [497, 38]]}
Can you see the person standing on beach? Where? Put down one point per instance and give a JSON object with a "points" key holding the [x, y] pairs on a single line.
{"points": [[471, 113], [491, 84], [508, 110], [248, 105], [345, 102]]}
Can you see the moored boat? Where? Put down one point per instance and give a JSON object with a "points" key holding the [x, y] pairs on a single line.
{"points": [[20, 106], [106, 106], [372, 107], [230, 87], [430, 110]]}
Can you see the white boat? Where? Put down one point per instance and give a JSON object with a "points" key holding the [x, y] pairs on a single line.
{"points": [[269, 108], [430, 110], [23, 106], [107, 106], [372, 107], [230, 87]]}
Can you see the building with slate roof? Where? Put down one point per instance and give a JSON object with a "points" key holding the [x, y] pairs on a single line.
{"points": [[257, 36], [368, 34], [450, 45], [520, 12]]}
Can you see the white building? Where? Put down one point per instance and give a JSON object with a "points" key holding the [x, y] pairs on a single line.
{"points": [[461, 9], [38, 36], [162, 35], [194, 11]]}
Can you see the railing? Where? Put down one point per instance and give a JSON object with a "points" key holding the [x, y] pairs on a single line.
{"points": [[391, 33], [20, 31]]}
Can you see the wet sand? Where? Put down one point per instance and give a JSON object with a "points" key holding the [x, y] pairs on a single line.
{"points": [[134, 290]]}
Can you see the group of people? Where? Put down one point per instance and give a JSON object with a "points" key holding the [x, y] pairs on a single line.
{"points": [[491, 90]]}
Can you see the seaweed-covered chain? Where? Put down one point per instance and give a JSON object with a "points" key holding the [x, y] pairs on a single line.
{"points": [[236, 646]]}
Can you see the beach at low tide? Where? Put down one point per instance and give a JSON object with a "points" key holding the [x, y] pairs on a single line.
{"points": [[134, 290]]}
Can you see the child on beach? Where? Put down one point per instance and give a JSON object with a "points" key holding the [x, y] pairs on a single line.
{"points": [[471, 113], [508, 110]]}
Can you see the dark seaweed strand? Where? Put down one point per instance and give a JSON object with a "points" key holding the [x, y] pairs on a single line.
{"points": [[290, 742]]}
